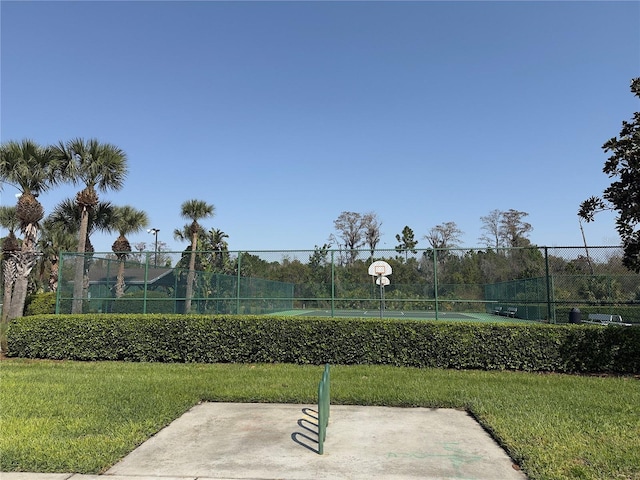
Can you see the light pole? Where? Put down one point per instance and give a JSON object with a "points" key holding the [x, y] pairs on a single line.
{"points": [[155, 232]]}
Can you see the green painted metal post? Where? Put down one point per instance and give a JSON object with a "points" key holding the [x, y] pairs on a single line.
{"points": [[238, 286], [146, 284], [333, 283], [381, 295], [435, 280], [327, 378], [108, 273], [175, 293], [322, 429], [550, 312], [324, 402], [217, 293], [59, 290]]}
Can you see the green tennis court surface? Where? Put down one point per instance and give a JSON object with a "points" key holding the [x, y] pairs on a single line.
{"points": [[404, 314]]}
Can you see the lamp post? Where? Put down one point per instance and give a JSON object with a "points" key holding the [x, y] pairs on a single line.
{"points": [[155, 232]]}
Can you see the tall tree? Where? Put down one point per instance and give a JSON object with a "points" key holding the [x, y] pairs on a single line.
{"points": [[95, 165], [349, 227], [56, 238], [445, 235], [215, 240], [407, 242], [371, 228], [623, 195], [513, 229], [68, 217], [194, 210], [33, 169], [184, 235], [491, 226], [161, 257], [128, 220], [10, 245]]}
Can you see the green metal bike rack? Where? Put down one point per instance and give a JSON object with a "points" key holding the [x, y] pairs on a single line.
{"points": [[324, 401]]}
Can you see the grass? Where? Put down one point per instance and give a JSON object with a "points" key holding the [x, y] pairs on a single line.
{"points": [[83, 417]]}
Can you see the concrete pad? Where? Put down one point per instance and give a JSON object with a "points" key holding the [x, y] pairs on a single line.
{"points": [[278, 441]]}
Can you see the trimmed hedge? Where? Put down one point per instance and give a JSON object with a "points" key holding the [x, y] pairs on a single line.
{"points": [[309, 340], [40, 303]]}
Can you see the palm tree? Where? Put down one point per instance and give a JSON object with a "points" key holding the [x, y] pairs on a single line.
{"points": [[10, 245], [33, 169], [127, 220], [194, 210], [55, 238], [67, 216], [219, 246], [95, 165], [184, 234]]}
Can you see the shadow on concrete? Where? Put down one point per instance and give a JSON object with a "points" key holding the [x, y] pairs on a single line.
{"points": [[309, 423]]}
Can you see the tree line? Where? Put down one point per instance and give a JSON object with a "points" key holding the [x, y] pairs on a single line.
{"points": [[355, 231], [97, 168], [504, 229]]}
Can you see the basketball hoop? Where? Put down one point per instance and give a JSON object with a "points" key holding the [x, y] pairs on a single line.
{"points": [[379, 269]]}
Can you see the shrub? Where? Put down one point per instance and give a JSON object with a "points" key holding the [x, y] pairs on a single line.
{"points": [[41, 303], [311, 340]]}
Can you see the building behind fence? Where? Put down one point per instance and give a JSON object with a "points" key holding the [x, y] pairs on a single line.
{"points": [[538, 281]]}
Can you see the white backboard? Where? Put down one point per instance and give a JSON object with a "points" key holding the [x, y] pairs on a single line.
{"points": [[380, 269]]}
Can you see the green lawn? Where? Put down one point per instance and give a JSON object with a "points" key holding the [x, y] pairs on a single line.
{"points": [[83, 417]]}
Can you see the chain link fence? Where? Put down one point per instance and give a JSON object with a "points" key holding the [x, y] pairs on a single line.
{"points": [[536, 283]]}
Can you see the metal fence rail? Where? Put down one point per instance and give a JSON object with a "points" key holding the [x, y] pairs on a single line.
{"points": [[537, 281]]}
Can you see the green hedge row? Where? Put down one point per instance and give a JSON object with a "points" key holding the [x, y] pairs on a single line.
{"points": [[308, 340]]}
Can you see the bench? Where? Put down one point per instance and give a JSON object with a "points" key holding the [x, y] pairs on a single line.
{"points": [[497, 310], [606, 319], [509, 312]]}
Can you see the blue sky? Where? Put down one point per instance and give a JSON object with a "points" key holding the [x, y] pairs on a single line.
{"points": [[285, 114]]}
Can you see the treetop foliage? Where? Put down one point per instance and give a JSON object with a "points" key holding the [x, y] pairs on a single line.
{"points": [[623, 195]]}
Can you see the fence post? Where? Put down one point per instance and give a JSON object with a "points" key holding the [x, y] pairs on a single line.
{"points": [[550, 312], [146, 283], [333, 282], [435, 280], [238, 286], [175, 295], [59, 289]]}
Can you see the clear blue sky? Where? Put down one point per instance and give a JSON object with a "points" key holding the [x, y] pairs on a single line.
{"points": [[285, 114]]}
